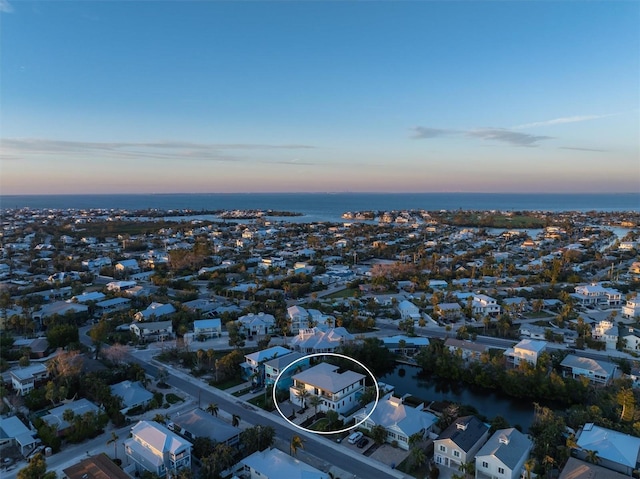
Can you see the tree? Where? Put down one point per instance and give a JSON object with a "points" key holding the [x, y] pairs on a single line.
{"points": [[296, 443], [302, 394], [98, 335], [314, 402], [591, 456], [221, 458], [114, 441], [378, 434], [212, 409], [37, 469], [469, 468], [257, 438], [418, 457], [235, 420], [529, 465]]}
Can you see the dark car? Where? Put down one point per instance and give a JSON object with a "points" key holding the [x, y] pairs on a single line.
{"points": [[362, 442]]}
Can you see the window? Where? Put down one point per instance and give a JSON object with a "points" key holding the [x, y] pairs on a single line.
{"points": [[456, 453], [485, 464], [501, 470], [442, 448]]}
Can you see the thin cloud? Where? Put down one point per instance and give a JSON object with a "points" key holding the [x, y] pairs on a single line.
{"points": [[136, 150], [515, 138], [423, 132], [581, 149], [561, 121], [5, 7]]}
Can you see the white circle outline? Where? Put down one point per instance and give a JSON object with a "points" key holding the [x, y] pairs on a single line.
{"points": [[375, 381]]}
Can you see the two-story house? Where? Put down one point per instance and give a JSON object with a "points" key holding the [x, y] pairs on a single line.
{"points": [[158, 330], [154, 311], [459, 443], [253, 366], [207, 328], [503, 455], [607, 332], [154, 448], [631, 309], [339, 392], [24, 380], [317, 340], [273, 368], [596, 370], [484, 305], [408, 310], [526, 350], [256, 324]]}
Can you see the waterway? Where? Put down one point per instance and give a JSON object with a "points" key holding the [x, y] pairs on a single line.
{"points": [[488, 403]]}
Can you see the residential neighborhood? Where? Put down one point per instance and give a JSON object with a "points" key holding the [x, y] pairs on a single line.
{"points": [[209, 345]]}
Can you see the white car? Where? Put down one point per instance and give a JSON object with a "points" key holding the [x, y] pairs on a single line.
{"points": [[355, 437]]}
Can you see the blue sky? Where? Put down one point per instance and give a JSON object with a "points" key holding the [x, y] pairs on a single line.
{"points": [[235, 96]]}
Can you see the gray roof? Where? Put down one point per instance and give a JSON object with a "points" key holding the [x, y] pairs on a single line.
{"points": [[325, 376], [577, 469], [132, 393], [202, 424], [597, 366], [610, 445], [465, 432], [508, 446], [282, 362]]}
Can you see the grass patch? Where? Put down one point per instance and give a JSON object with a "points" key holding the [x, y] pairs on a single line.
{"points": [[421, 472], [539, 314], [172, 398], [320, 425], [229, 383], [262, 404], [242, 392], [345, 293]]}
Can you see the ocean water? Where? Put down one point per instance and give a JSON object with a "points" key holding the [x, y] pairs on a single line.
{"points": [[330, 206]]}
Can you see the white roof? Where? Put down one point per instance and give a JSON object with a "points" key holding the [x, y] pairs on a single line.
{"points": [[275, 464], [392, 412], [531, 345], [159, 437], [266, 354], [508, 446]]}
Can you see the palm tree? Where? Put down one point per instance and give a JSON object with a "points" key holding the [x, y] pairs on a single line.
{"points": [[235, 420], [314, 402], [418, 457], [529, 465], [302, 394], [161, 418], [212, 409], [591, 456], [114, 440], [296, 443], [469, 468]]}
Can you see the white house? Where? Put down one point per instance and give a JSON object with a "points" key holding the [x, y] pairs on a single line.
{"points": [[484, 305], [298, 318], [526, 350], [275, 464], [597, 371], [459, 443], [400, 420], [631, 309], [596, 295], [607, 332], [155, 448], [631, 339], [130, 265], [253, 365], [13, 432], [209, 328], [339, 391], [408, 310], [503, 455], [257, 324], [158, 330], [24, 380], [317, 340]]}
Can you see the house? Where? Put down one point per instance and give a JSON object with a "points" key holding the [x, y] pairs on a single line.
{"points": [[596, 370], [133, 395], [595, 294], [607, 332], [198, 423], [100, 466], [13, 432], [459, 443], [484, 305], [298, 318], [207, 328], [127, 265], [257, 324], [60, 308], [503, 455], [120, 286], [400, 420], [38, 347], [155, 311], [449, 311], [253, 367], [96, 263], [84, 298], [631, 339], [55, 416], [275, 464], [154, 448], [616, 451], [408, 310], [577, 469], [317, 340], [631, 309], [339, 392], [24, 380], [111, 306], [273, 367], [402, 344], [159, 330], [469, 350], [273, 262], [526, 350]]}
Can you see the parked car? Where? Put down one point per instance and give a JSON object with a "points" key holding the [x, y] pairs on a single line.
{"points": [[355, 437], [362, 442]]}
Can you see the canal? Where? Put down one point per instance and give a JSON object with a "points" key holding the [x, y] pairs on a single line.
{"points": [[407, 380]]}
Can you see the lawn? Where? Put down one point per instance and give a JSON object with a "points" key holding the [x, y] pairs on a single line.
{"points": [[242, 392], [260, 402], [420, 473], [344, 293], [172, 398], [229, 383], [320, 425]]}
